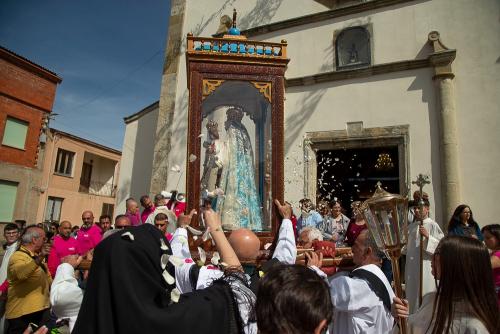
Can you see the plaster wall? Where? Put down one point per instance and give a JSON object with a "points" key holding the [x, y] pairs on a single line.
{"points": [[399, 33], [329, 106], [27, 197], [67, 187], [137, 159]]}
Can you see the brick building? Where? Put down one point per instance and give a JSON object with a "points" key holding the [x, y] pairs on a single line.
{"points": [[27, 92]]}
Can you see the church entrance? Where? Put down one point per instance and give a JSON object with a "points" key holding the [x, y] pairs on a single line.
{"points": [[351, 174]]}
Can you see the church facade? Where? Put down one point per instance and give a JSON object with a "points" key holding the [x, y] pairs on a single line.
{"points": [[379, 90]]}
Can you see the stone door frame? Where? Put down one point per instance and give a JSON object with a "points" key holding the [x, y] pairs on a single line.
{"points": [[355, 136]]}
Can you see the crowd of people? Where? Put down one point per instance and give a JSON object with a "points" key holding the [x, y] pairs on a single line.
{"points": [[143, 277]]}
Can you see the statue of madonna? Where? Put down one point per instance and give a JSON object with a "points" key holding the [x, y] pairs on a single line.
{"points": [[240, 206]]}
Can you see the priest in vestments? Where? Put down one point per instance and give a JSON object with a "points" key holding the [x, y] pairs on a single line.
{"points": [[432, 233]]}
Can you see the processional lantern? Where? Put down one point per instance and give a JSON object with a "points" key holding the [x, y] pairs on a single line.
{"points": [[235, 130], [386, 215]]}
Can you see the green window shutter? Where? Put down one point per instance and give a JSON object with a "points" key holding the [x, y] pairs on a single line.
{"points": [[8, 193], [15, 133]]}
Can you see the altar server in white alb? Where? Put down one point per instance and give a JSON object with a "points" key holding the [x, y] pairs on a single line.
{"points": [[362, 299], [432, 233]]}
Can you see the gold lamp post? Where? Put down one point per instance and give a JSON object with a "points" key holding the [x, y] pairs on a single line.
{"points": [[387, 219]]}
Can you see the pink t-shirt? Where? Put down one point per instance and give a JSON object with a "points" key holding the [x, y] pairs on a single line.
{"points": [[88, 238], [60, 249], [146, 212]]}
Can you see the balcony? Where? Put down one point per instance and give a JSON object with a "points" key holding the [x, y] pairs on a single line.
{"points": [[98, 176], [98, 188]]}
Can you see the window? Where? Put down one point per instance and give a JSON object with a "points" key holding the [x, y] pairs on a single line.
{"points": [[53, 210], [64, 162], [352, 48], [15, 133], [8, 193], [86, 177], [107, 209]]}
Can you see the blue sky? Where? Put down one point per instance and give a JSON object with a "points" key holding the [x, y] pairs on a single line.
{"points": [[108, 53]]}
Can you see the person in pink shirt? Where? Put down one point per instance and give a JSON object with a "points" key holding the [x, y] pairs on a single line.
{"points": [[491, 235], [133, 212], [63, 245], [89, 235], [148, 206], [177, 203]]}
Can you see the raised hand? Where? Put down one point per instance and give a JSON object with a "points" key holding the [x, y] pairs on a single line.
{"points": [[313, 259], [73, 260], [185, 220], [285, 210], [212, 220]]}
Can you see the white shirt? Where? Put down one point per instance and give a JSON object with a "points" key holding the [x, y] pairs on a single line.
{"points": [[356, 308], [5, 262], [285, 252], [463, 322], [65, 295]]}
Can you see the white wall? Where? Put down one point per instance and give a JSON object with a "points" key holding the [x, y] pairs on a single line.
{"points": [[399, 33], [137, 159]]}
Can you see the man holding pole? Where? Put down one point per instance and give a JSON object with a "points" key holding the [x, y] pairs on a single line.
{"points": [[429, 231]]}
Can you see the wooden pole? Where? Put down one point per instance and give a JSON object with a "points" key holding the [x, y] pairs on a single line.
{"points": [[395, 255]]}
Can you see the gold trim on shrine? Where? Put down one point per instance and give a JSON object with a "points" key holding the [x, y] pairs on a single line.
{"points": [[209, 86], [264, 88]]}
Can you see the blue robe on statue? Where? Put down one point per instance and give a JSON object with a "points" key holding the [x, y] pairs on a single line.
{"points": [[240, 206]]}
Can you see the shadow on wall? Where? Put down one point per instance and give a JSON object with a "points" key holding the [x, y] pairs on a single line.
{"points": [[144, 154], [122, 194], [225, 9], [261, 14], [179, 137], [294, 126]]}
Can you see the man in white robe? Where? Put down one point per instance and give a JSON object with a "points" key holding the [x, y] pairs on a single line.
{"points": [[357, 308], [432, 233]]}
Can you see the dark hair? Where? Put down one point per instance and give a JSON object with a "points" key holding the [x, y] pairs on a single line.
{"points": [[117, 218], [455, 219], [158, 198], [104, 217], [143, 199], [54, 224], [292, 299], [467, 277], [161, 216], [493, 229], [75, 228], [11, 227]]}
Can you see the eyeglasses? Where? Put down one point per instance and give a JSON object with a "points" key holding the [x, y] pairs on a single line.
{"points": [[11, 233]]}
